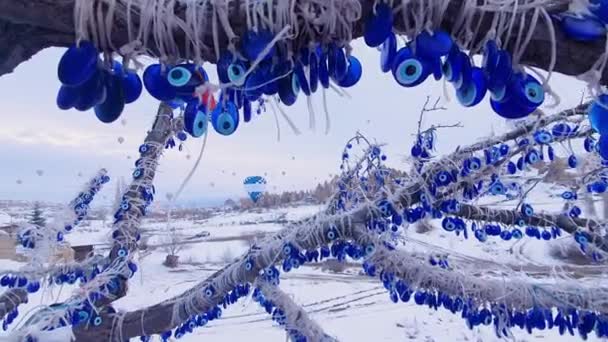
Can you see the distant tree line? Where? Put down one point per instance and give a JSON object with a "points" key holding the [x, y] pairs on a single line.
{"points": [[270, 200]]}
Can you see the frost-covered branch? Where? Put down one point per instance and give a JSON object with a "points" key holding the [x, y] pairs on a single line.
{"points": [[42, 243], [288, 313], [512, 217], [110, 283], [367, 198]]}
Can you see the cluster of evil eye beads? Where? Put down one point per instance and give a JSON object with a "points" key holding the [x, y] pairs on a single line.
{"points": [[28, 238], [87, 82], [514, 94], [79, 206], [278, 315], [255, 69], [534, 148], [201, 320], [246, 77], [501, 317]]}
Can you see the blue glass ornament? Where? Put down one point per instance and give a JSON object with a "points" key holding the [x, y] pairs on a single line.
{"points": [[532, 157], [78, 64], [289, 87], [443, 178], [236, 72], [186, 78], [225, 117], [337, 63], [583, 28], [113, 105], [195, 119], [497, 188], [433, 45], [408, 70], [448, 224], [300, 75], [600, 9], [589, 144], [222, 66], [67, 97], [253, 44], [568, 195], [527, 210], [516, 234], [597, 187], [550, 153], [502, 72], [132, 86], [598, 114], [378, 25], [179, 76], [543, 137], [490, 58], [313, 71], [255, 82], [157, 84], [246, 111], [481, 235], [511, 168], [466, 72], [91, 93], [388, 52], [527, 90], [572, 161], [561, 130], [603, 146], [353, 74], [323, 68], [452, 67], [471, 94]]}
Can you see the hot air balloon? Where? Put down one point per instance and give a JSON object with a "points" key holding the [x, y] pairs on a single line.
{"points": [[255, 187]]}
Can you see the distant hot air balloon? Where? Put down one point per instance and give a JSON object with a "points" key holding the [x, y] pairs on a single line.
{"points": [[255, 187]]}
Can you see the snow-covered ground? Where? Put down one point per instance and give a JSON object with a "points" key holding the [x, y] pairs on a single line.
{"points": [[348, 305]]}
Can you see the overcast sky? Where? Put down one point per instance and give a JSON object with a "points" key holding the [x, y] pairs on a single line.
{"points": [[36, 135]]}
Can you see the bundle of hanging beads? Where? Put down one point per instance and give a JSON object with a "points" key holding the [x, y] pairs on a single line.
{"points": [[286, 52]]}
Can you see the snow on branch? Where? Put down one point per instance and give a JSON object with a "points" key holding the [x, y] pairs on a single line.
{"points": [[298, 325], [109, 279], [41, 244], [363, 219]]}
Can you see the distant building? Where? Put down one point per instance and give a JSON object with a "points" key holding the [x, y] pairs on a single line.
{"points": [[82, 252], [8, 247], [309, 200], [10, 229]]}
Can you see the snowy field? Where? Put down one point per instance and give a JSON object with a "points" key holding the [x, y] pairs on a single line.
{"points": [[348, 305]]}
